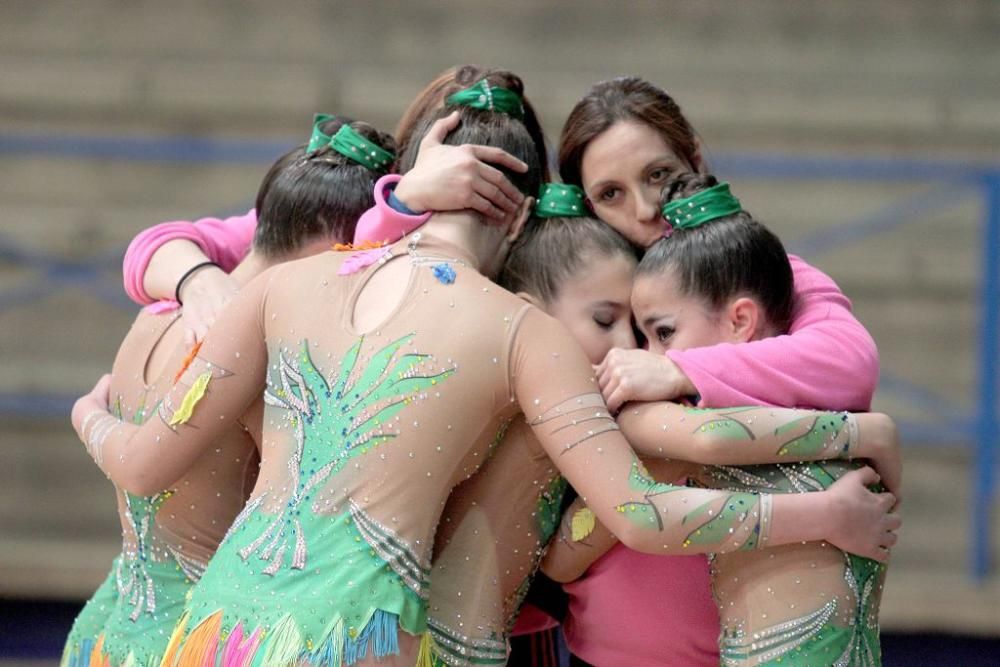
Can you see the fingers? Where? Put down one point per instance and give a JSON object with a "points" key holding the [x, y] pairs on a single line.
{"points": [[483, 205], [616, 398], [498, 156], [881, 555], [200, 331], [439, 130], [604, 378], [886, 501], [195, 333], [867, 476], [495, 187], [892, 522], [889, 540], [599, 371]]}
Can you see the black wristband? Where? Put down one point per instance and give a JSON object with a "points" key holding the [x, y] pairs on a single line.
{"points": [[187, 274]]}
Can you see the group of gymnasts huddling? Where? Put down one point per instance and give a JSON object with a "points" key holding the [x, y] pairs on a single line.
{"points": [[420, 423]]}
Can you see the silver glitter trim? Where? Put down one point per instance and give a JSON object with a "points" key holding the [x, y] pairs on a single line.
{"points": [[777, 640], [459, 650], [192, 568], [397, 554]]}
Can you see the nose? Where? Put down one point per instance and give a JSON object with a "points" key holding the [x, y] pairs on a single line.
{"points": [[648, 208]]}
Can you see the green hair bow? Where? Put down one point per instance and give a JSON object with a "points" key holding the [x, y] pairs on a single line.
{"points": [[489, 98], [557, 200], [709, 204], [350, 144], [319, 138]]}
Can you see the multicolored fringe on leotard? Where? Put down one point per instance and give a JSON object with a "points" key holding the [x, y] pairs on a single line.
{"points": [[281, 645]]}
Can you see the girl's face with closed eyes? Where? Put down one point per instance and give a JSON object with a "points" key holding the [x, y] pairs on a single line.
{"points": [[623, 171], [594, 305]]}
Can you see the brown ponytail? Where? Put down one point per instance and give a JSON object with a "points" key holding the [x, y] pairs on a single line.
{"points": [[724, 259], [431, 99]]}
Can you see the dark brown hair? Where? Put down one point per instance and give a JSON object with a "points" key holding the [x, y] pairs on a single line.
{"points": [[624, 98], [551, 251], [487, 128], [432, 98], [724, 259], [306, 196]]}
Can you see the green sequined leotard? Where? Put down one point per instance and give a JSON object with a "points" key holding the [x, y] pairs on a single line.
{"points": [[803, 604], [168, 536]]}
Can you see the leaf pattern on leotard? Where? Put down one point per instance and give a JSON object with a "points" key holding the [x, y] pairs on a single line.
{"points": [[823, 430], [334, 422], [132, 579], [645, 512]]}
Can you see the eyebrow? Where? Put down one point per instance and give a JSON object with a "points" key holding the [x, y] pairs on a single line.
{"points": [[650, 320], [607, 304], [601, 184]]}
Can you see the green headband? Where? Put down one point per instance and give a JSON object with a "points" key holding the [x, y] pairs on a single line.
{"points": [[709, 204], [556, 200], [489, 98], [352, 145], [319, 138], [348, 143]]}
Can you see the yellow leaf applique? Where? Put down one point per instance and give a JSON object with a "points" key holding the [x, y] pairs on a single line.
{"points": [[583, 524], [191, 398]]}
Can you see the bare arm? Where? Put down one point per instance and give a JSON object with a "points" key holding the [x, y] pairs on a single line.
{"points": [[215, 390], [571, 421], [748, 435], [581, 539], [160, 256]]}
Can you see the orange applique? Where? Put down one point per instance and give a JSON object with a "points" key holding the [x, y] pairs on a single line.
{"points": [[97, 656], [200, 646], [188, 360], [364, 245]]}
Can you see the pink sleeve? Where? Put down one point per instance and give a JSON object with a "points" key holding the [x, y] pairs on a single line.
{"points": [[826, 361], [382, 222], [225, 242]]}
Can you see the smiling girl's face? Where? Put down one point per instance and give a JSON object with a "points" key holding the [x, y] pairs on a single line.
{"points": [[623, 171], [594, 305]]}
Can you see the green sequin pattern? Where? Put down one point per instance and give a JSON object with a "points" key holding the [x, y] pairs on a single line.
{"points": [[813, 638], [326, 575]]}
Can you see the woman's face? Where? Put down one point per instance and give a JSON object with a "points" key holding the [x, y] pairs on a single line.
{"points": [[671, 320], [594, 306], [623, 171]]}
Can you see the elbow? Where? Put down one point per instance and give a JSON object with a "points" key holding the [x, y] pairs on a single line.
{"points": [[636, 537], [715, 450], [870, 365], [561, 572], [863, 374]]}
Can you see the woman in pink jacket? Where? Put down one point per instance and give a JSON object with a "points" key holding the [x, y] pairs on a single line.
{"points": [[621, 143]]}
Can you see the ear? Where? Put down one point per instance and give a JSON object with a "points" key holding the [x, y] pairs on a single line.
{"points": [[743, 320], [532, 299], [520, 218], [700, 165]]}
